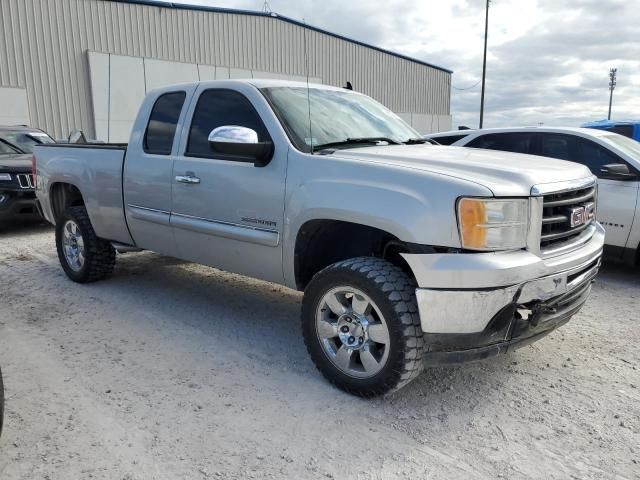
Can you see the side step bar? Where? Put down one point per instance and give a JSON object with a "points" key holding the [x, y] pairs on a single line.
{"points": [[124, 248]]}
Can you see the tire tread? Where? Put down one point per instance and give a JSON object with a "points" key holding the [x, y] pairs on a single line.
{"points": [[399, 290]]}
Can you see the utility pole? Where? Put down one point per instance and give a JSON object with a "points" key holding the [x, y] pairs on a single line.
{"points": [[612, 85], [484, 62]]}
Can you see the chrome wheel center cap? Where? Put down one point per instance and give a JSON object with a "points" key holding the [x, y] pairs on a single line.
{"points": [[352, 330]]}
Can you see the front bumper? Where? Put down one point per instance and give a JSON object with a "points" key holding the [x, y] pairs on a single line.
{"points": [[477, 305], [18, 205]]}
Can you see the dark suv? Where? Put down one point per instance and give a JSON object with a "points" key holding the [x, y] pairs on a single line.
{"points": [[24, 138], [17, 186]]}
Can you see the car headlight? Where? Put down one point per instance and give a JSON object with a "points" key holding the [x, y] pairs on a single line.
{"points": [[493, 224], [5, 177]]}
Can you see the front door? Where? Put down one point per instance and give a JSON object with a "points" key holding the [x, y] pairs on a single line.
{"points": [[226, 212]]}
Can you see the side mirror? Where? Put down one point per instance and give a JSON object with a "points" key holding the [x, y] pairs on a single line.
{"points": [[242, 142], [77, 136], [616, 171]]}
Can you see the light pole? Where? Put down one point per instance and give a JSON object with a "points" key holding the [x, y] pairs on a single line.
{"points": [[484, 62], [612, 85]]}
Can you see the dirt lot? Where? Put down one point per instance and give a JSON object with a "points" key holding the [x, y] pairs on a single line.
{"points": [[175, 371]]}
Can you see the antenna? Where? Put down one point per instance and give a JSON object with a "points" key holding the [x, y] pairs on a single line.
{"points": [[306, 66], [266, 8]]}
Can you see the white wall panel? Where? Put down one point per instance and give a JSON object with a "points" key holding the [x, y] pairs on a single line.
{"points": [[406, 116], [206, 72], [127, 90], [99, 75], [160, 73], [14, 109], [239, 73], [222, 73]]}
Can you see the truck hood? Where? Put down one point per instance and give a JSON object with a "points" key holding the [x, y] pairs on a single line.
{"points": [[15, 163], [504, 173]]}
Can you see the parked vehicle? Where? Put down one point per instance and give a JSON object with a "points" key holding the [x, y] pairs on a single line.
{"points": [[408, 253], [614, 159], [17, 192], [24, 138], [627, 128]]}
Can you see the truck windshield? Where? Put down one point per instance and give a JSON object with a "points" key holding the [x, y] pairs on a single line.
{"points": [[336, 118]]}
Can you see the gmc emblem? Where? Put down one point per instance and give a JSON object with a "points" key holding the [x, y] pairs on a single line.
{"points": [[581, 215]]}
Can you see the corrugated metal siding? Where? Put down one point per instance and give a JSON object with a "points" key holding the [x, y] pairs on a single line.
{"points": [[43, 45]]}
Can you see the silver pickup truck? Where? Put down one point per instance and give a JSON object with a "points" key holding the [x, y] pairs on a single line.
{"points": [[409, 254]]}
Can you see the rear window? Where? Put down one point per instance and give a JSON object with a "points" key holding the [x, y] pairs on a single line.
{"points": [[158, 139], [448, 139]]}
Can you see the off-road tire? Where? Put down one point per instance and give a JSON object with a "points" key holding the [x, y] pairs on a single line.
{"points": [[100, 256], [393, 291]]}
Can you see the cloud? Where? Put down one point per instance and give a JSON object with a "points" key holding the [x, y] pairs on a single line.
{"points": [[548, 61]]}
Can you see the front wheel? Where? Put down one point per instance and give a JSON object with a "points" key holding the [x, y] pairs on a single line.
{"points": [[361, 326], [84, 257]]}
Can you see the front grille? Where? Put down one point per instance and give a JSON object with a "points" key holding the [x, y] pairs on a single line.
{"points": [[25, 180], [560, 209]]}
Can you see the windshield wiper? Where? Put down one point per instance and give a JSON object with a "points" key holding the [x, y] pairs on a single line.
{"points": [[355, 141]]}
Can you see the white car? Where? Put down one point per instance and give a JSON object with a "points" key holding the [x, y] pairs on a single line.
{"points": [[613, 158]]}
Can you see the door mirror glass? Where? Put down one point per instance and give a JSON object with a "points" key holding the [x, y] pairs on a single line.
{"points": [[77, 136], [242, 142], [616, 171]]}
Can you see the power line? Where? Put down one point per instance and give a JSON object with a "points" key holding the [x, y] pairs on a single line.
{"points": [[467, 88]]}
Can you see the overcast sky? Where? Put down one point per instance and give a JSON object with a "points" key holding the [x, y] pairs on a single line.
{"points": [[548, 60]]}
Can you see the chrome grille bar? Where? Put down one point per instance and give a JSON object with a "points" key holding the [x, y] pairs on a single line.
{"points": [[25, 180]]}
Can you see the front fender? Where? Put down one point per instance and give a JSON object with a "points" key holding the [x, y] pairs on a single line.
{"points": [[414, 207]]}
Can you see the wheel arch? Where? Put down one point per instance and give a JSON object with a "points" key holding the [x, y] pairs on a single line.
{"points": [[322, 242], [62, 196]]}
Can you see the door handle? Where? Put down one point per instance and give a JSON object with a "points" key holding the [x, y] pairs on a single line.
{"points": [[191, 179]]}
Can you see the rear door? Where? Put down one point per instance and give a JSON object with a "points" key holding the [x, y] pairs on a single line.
{"points": [[148, 172], [230, 213]]}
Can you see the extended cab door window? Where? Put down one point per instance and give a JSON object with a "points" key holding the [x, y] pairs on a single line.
{"points": [[161, 130], [508, 142], [217, 108]]}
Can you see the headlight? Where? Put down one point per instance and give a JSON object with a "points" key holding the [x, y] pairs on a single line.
{"points": [[490, 224], [5, 177]]}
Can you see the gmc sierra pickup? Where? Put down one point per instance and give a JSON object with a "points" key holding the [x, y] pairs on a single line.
{"points": [[409, 254]]}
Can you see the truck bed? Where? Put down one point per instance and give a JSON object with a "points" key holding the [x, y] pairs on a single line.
{"points": [[95, 169]]}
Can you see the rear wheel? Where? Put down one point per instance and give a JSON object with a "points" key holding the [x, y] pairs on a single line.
{"points": [[84, 257], [361, 326]]}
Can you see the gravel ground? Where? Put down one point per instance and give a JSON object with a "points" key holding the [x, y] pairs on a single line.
{"points": [[174, 371]]}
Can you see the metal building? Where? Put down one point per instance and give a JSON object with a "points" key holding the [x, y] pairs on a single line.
{"points": [[67, 64]]}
